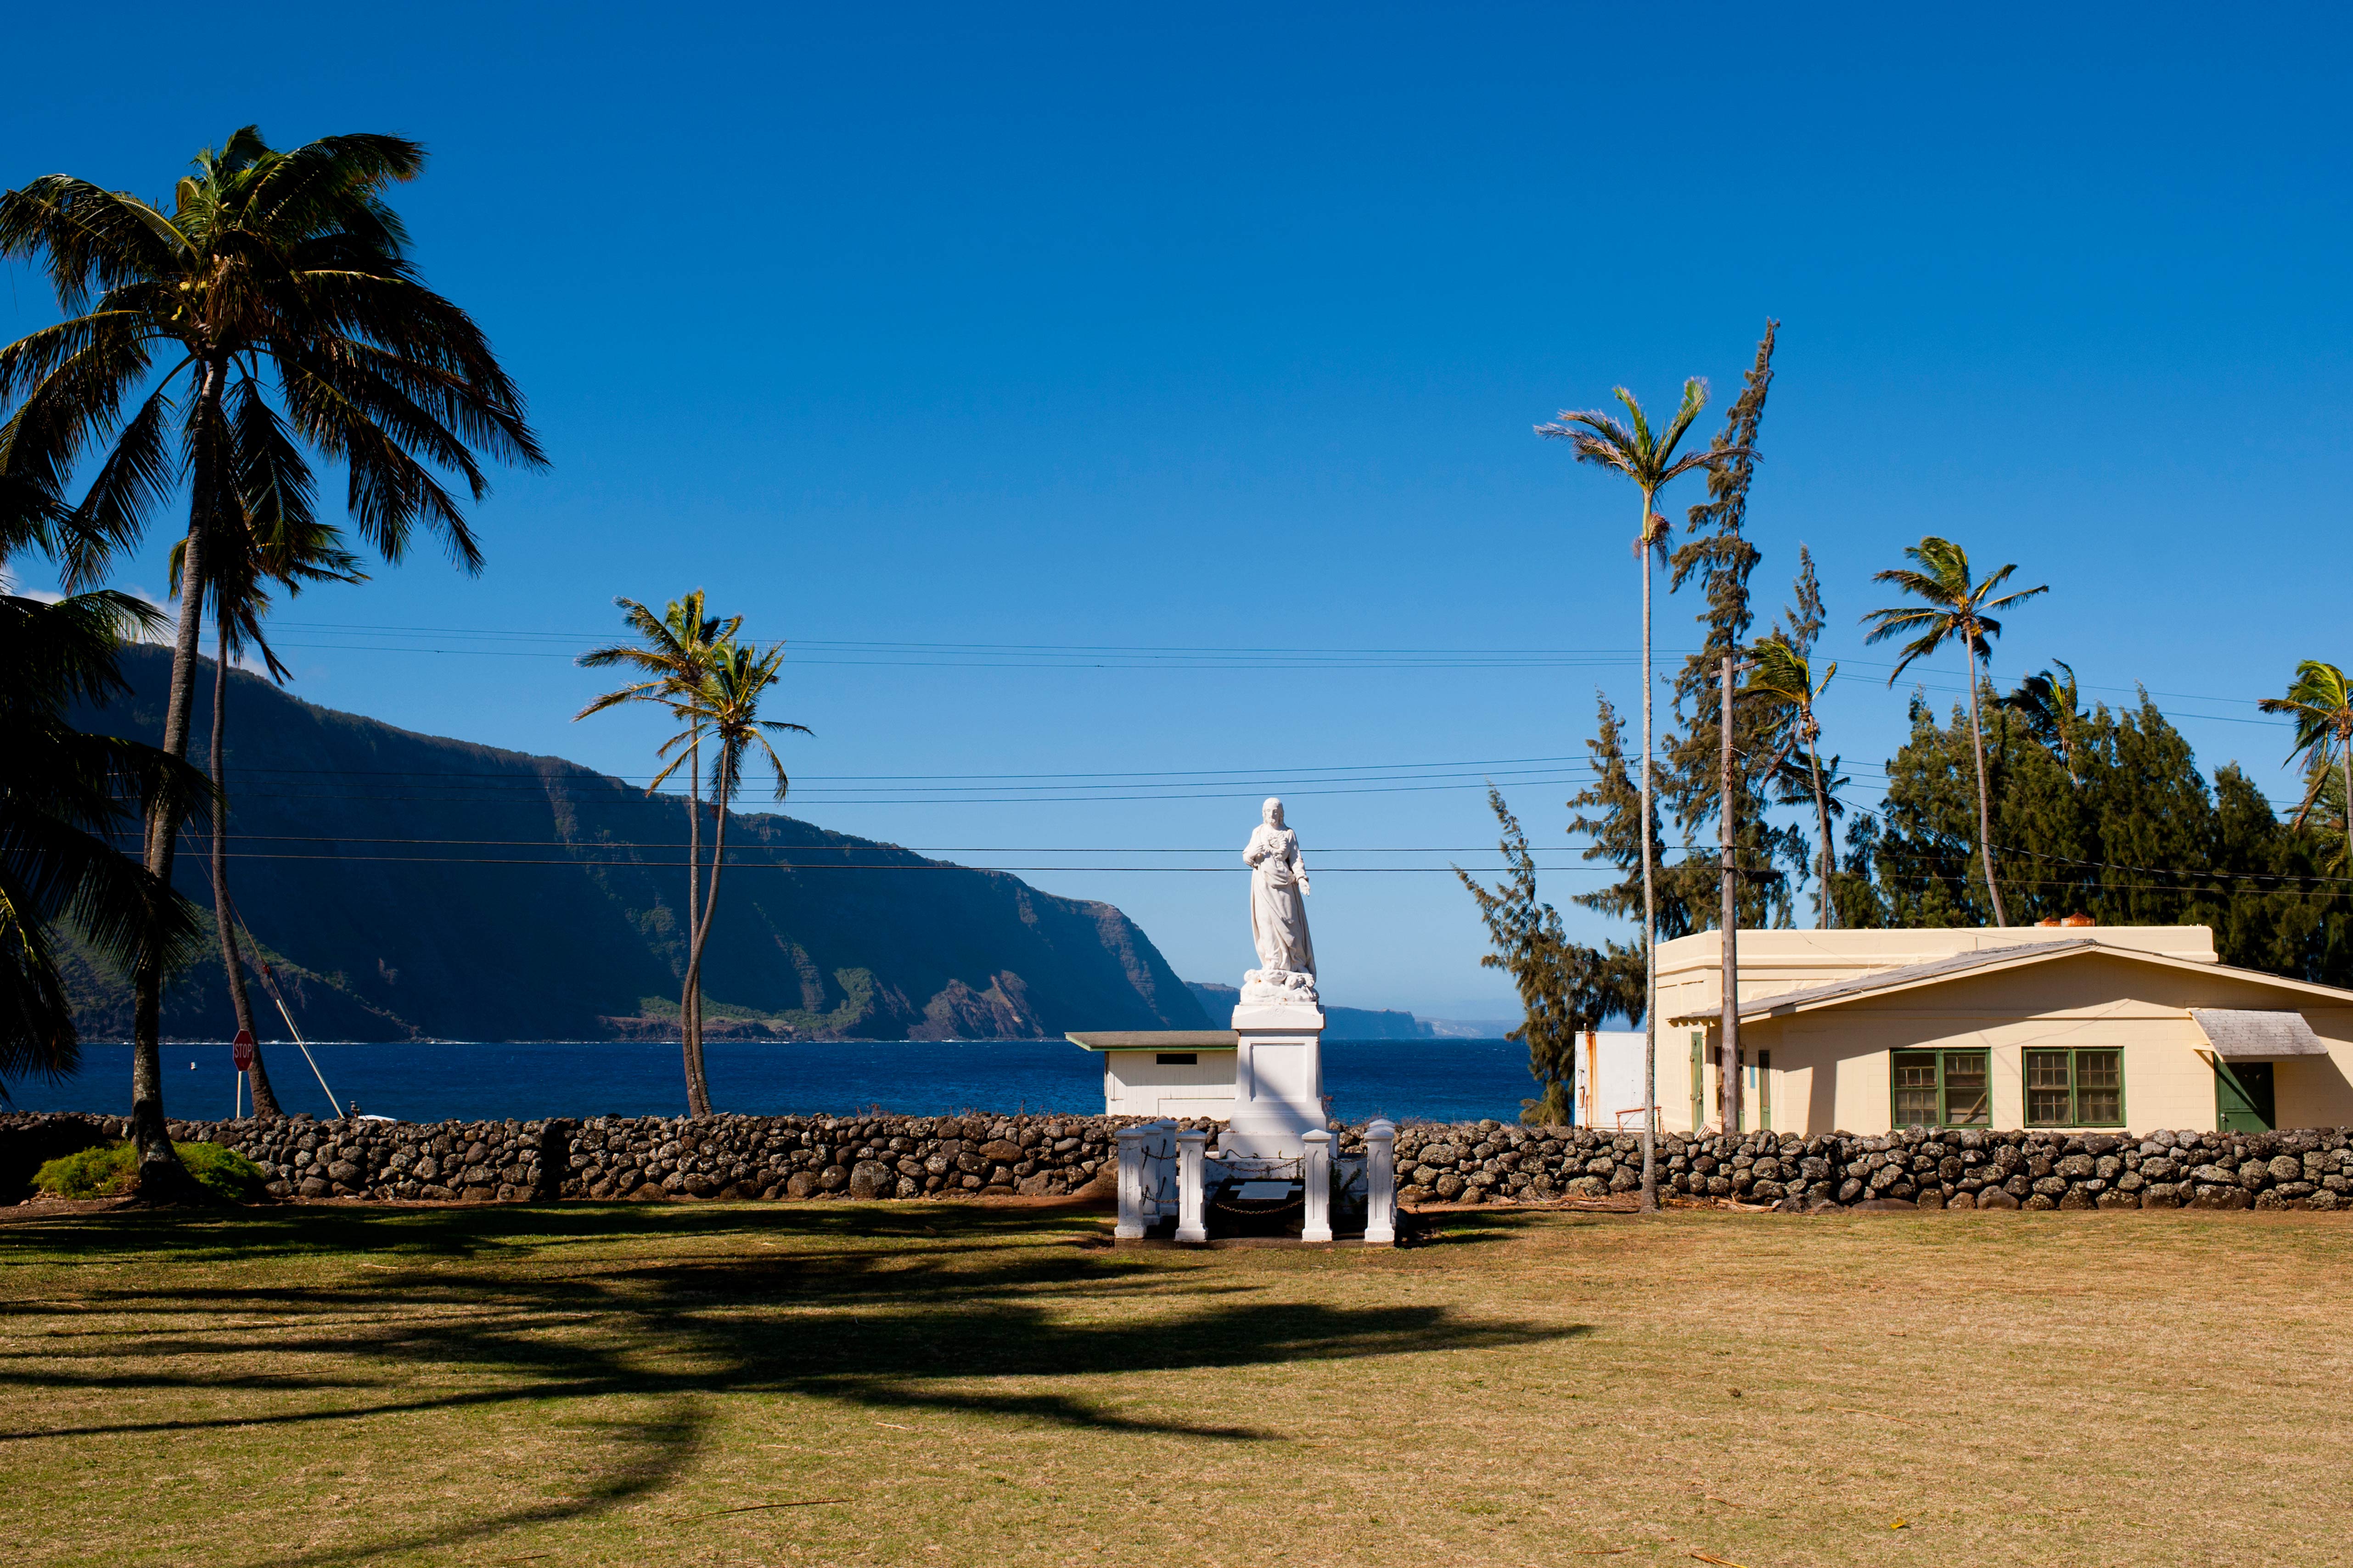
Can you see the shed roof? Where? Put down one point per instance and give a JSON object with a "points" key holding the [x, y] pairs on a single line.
{"points": [[1987, 960], [1156, 1040], [2244, 1033]]}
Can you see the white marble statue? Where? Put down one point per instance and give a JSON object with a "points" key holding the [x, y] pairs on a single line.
{"points": [[1286, 955]]}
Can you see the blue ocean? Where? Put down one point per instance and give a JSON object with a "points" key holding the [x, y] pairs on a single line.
{"points": [[1438, 1081]]}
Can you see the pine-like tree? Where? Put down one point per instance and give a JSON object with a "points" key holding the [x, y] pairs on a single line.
{"points": [[2128, 832], [1565, 988], [1718, 551]]}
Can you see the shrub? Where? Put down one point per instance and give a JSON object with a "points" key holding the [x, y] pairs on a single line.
{"points": [[91, 1173], [224, 1170], [105, 1173]]}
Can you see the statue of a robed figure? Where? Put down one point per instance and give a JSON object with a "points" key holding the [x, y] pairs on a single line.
{"points": [[1278, 1021], [1286, 953]]}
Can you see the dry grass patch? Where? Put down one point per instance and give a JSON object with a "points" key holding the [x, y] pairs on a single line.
{"points": [[701, 1383]]}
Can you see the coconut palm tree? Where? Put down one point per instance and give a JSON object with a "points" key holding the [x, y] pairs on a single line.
{"points": [[676, 652], [1952, 605], [62, 796], [273, 537], [2320, 700], [1784, 678], [1631, 448], [2051, 706], [285, 264], [725, 710]]}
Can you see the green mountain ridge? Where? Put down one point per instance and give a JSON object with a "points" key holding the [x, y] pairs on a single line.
{"points": [[407, 886]]}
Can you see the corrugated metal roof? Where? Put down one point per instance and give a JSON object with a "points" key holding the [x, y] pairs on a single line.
{"points": [[2251, 1034], [1904, 974], [1156, 1040]]}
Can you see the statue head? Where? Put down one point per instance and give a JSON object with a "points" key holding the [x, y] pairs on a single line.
{"points": [[1272, 811]]}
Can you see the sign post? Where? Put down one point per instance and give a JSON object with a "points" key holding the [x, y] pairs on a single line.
{"points": [[240, 1051]]}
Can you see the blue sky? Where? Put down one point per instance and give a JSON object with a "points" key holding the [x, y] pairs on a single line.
{"points": [[931, 337]]}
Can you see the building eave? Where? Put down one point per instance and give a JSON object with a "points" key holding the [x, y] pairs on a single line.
{"points": [[1995, 960], [1155, 1040]]}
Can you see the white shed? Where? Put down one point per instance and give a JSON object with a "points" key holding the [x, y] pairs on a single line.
{"points": [[1165, 1072], [1610, 1079]]}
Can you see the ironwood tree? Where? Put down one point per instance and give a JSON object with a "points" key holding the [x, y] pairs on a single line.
{"points": [[2122, 826], [1718, 551], [1566, 988]]}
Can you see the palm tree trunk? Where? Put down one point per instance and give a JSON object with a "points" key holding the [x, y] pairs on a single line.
{"points": [[1829, 918], [162, 1177], [1985, 810], [264, 1101], [1650, 905], [2345, 749], [689, 1001], [698, 1087]]}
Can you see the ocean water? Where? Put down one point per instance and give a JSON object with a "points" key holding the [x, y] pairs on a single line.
{"points": [[1439, 1080]]}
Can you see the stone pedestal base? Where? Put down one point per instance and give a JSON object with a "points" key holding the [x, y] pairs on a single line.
{"points": [[1278, 1082]]}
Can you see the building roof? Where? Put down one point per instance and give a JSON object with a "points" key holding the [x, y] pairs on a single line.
{"points": [[1990, 959], [2242, 1034], [1156, 1040]]}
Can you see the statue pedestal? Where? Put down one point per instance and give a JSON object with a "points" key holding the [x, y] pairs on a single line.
{"points": [[1278, 1081]]}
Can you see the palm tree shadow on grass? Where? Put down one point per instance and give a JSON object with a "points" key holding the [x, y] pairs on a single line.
{"points": [[925, 1331]]}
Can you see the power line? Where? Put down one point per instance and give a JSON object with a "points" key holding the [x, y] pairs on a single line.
{"points": [[568, 863], [1131, 655], [887, 848], [985, 778]]}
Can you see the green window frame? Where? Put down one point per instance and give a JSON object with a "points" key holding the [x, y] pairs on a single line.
{"points": [[1698, 1081], [1941, 1089], [2077, 1087]]}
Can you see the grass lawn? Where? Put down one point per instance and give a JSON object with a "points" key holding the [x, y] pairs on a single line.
{"points": [[996, 1385]]}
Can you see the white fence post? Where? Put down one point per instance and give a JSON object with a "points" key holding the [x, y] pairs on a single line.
{"points": [[1380, 1184], [1315, 1170], [1130, 1185], [1189, 1185]]}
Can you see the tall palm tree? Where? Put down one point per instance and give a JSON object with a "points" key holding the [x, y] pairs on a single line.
{"points": [[676, 652], [726, 708], [289, 263], [1784, 677], [62, 796], [2320, 700], [273, 537], [1631, 448], [1952, 606]]}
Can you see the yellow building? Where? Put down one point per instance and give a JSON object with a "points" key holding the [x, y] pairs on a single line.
{"points": [[2109, 1026]]}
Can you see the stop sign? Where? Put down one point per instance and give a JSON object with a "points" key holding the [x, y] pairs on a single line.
{"points": [[241, 1050]]}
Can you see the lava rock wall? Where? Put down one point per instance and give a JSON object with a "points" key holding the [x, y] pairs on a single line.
{"points": [[1482, 1162], [874, 1157]]}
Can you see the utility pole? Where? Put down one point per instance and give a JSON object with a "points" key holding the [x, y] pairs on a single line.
{"points": [[1728, 1052]]}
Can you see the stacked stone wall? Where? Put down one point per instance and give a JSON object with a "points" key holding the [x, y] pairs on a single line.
{"points": [[869, 1157], [2309, 1168], [639, 1157]]}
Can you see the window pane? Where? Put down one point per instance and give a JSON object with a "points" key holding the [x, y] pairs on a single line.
{"points": [[2049, 1100], [1915, 1088], [2100, 1088], [1966, 1101]]}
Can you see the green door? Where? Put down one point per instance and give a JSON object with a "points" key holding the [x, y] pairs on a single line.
{"points": [[2243, 1097]]}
